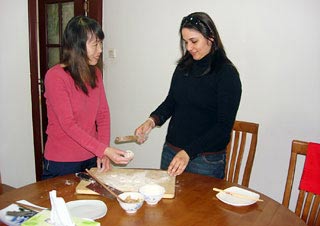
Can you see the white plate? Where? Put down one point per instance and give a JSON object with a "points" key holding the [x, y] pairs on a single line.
{"points": [[235, 201], [90, 209]]}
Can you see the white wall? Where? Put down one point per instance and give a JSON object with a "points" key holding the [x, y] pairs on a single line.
{"points": [[274, 44], [16, 138]]}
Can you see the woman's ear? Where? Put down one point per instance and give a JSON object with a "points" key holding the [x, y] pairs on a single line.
{"points": [[211, 41]]}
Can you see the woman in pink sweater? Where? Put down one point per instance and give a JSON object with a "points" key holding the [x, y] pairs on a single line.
{"points": [[78, 112]]}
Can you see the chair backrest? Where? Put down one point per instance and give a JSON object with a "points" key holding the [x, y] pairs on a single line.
{"points": [[237, 149], [308, 204]]}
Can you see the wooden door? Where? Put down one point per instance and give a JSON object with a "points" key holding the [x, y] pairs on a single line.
{"points": [[53, 16]]}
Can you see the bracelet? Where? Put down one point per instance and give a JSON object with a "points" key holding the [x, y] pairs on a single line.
{"points": [[153, 123]]}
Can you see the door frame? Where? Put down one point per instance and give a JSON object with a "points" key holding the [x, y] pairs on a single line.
{"points": [[95, 11], [34, 82]]}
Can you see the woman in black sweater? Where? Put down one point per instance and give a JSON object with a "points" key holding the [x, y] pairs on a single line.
{"points": [[202, 103]]}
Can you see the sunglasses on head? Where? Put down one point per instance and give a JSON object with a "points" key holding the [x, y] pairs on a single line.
{"points": [[196, 22]]}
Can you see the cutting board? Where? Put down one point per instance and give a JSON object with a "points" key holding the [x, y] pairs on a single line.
{"points": [[128, 179]]}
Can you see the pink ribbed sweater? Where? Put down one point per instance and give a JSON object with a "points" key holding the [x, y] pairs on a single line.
{"points": [[78, 125]]}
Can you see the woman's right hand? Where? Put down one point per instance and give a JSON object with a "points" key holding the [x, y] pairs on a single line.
{"points": [[178, 163], [143, 130], [116, 155], [103, 164]]}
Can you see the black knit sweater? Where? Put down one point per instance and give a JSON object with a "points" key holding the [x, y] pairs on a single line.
{"points": [[202, 107]]}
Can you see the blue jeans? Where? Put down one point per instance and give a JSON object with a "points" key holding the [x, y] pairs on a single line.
{"points": [[53, 169], [210, 165]]}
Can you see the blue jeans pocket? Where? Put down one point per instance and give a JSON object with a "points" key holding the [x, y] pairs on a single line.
{"points": [[214, 159], [210, 165]]}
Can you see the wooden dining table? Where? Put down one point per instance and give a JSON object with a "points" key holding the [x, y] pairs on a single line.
{"points": [[195, 203]]}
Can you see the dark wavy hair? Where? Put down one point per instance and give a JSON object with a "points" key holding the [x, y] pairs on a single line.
{"points": [[202, 23], [74, 50]]}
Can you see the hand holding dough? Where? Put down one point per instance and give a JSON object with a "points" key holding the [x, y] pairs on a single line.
{"points": [[129, 155]]}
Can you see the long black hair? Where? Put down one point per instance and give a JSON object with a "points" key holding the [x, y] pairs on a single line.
{"points": [[202, 23], [74, 49]]}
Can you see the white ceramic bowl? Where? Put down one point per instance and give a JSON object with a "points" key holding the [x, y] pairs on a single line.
{"points": [[152, 193], [131, 207]]}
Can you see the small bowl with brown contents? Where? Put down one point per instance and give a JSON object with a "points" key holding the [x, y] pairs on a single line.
{"points": [[133, 201]]}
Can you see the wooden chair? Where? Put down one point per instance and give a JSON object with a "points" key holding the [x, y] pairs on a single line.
{"points": [[236, 150], [308, 204], [4, 188]]}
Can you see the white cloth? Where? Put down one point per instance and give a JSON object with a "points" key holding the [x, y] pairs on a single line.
{"points": [[59, 212]]}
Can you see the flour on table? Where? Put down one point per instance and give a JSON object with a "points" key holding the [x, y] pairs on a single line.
{"points": [[132, 182]]}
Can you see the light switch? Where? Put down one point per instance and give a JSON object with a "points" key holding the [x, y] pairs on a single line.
{"points": [[112, 53]]}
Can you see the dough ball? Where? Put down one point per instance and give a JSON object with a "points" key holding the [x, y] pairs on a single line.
{"points": [[129, 154]]}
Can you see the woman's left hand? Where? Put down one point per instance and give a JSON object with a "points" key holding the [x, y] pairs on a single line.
{"points": [[103, 164], [178, 163]]}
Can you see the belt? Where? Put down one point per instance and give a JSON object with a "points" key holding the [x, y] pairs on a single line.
{"points": [[177, 149]]}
